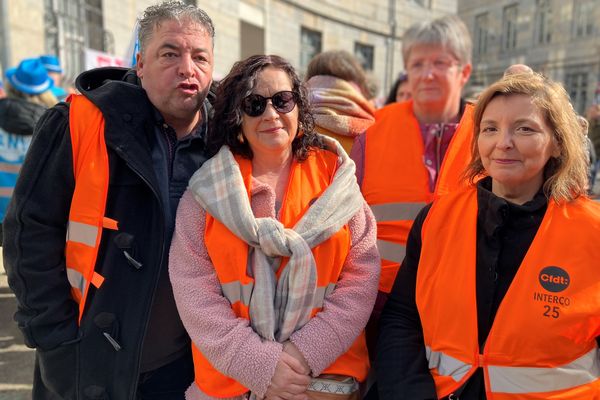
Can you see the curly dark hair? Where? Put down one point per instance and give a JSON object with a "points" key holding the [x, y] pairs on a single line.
{"points": [[225, 127]]}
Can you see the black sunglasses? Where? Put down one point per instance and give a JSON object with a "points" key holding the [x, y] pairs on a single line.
{"points": [[255, 104]]}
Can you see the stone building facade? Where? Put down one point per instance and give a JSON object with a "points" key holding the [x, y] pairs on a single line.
{"points": [[294, 29], [560, 38]]}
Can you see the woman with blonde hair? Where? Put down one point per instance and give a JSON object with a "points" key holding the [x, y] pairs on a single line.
{"points": [[28, 95], [498, 295]]}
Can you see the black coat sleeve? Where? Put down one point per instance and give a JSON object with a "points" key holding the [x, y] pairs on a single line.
{"points": [[401, 366], [34, 235]]}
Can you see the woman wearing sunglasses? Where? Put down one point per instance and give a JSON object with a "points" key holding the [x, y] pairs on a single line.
{"points": [[274, 264]]}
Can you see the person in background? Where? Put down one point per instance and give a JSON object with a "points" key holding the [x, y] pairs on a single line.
{"points": [[90, 224], [593, 117], [516, 69], [273, 262], [27, 97], [399, 91], [472, 93], [338, 94], [373, 91], [417, 149], [590, 151], [56, 73], [495, 298]]}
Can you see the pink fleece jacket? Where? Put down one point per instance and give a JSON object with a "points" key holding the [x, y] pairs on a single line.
{"points": [[229, 342]]}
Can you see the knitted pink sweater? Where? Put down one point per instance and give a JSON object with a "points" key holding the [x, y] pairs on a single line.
{"points": [[228, 342]]}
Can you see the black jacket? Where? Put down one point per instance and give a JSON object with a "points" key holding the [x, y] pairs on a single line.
{"points": [[504, 234], [79, 362], [19, 116]]}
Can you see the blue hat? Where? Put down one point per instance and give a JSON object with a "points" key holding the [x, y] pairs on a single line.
{"points": [[51, 63], [59, 92], [29, 77]]}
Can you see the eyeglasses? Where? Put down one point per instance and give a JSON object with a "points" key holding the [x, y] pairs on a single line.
{"points": [[283, 102], [439, 66]]}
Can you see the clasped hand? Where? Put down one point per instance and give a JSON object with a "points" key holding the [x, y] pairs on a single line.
{"points": [[291, 377]]}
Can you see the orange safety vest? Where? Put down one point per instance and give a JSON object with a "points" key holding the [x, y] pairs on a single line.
{"points": [[229, 254], [542, 344], [396, 182], [86, 216]]}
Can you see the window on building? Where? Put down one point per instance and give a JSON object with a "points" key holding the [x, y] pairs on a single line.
{"points": [[583, 18], [66, 35], [424, 3], [543, 22], [365, 54], [310, 45], [252, 40], [481, 33], [509, 27], [576, 83], [95, 25]]}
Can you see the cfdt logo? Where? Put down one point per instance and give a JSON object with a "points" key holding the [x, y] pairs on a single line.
{"points": [[554, 279]]}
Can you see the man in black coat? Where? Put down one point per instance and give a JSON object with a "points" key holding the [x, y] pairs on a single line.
{"points": [[130, 343]]}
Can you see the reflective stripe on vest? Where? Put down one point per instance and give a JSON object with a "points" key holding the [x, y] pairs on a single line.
{"points": [[76, 280], [396, 211], [447, 365], [82, 233], [388, 212], [396, 181], [521, 380], [528, 352], [86, 216], [584, 370], [391, 251]]}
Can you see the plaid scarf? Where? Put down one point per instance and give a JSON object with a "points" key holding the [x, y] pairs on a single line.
{"points": [[278, 307], [339, 107]]}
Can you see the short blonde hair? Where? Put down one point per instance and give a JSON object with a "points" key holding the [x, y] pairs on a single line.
{"points": [[565, 176], [46, 99]]}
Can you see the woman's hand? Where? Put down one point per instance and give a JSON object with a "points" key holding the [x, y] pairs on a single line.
{"points": [[290, 379], [292, 350]]}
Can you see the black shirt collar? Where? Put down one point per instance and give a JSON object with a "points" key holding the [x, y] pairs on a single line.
{"points": [[498, 212]]}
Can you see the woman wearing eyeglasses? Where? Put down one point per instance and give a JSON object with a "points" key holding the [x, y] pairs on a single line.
{"points": [[273, 262]]}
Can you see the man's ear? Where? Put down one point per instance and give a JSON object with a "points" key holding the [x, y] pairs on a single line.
{"points": [[465, 73], [139, 65]]}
